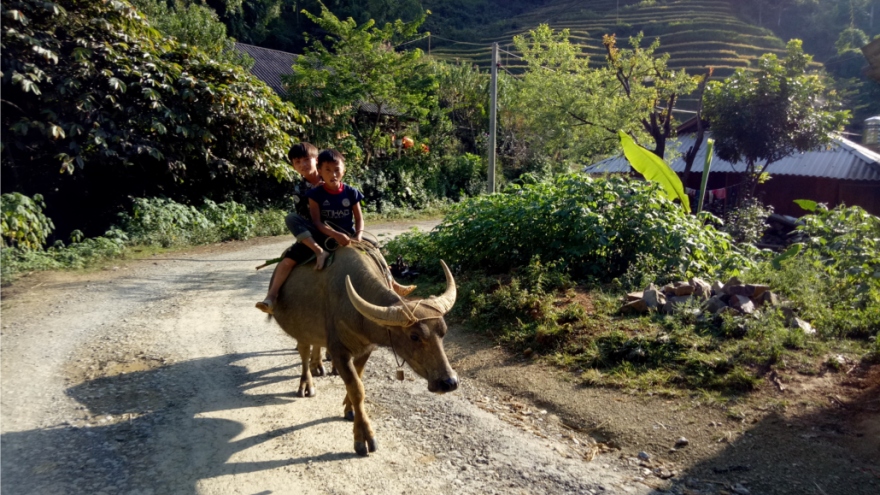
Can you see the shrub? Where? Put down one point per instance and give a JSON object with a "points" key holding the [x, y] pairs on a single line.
{"points": [[833, 278], [23, 223], [746, 224], [596, 229]]}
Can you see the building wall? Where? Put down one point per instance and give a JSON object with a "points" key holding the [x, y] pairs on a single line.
{"points": [[781, 191]]}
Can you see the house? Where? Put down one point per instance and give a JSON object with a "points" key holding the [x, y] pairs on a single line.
{"points": [[841, 173]]}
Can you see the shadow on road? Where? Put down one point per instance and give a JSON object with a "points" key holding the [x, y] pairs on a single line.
{"points": [[148, 432], [833, 451]]}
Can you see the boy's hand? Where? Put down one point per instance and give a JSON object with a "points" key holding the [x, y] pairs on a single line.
{"points": [[359, 236], [342, 239]]}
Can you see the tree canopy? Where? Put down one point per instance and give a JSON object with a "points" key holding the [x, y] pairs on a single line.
{"points": [[90, 90], [780, 109], [357, 68], [579, 109]]}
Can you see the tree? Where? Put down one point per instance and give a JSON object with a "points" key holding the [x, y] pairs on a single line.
{"points": [[761, 117], [91, 91], [194, 24], [357, 68], [580, 109]]}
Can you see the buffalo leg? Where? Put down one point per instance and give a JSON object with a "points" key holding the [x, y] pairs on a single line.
{"points": [[317, 367], [359, 364], [364, 438], [306, 387]]}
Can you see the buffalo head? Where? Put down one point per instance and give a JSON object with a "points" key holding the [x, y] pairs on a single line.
{"points": [[416, 330]]}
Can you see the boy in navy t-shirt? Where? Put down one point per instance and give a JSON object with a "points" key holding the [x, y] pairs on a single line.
{"points": [[336, 207]]}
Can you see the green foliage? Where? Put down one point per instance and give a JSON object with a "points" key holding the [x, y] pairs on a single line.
{"points": [[90, 89], [654, 169], [23, 223], [747, 222], [759, 118], [834, 277], [596, 228], [166, 223], [152, 222], [194, 24], [576, 110], [354, 67]]}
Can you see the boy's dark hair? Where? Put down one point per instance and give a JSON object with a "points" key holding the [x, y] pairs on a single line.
{"points": [[302, 150], [332, 156]]}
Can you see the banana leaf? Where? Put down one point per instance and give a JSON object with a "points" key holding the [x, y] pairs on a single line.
{"points": [[654, 169]]}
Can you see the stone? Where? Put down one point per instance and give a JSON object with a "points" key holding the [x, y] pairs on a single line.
{"points": [[684, 290], [644, 456], [717, 288], [668, 290], [654, 299], [740, 490], [672, 302], [637, 306], [743, 304], [769, 298], [758, 290], [715, 304], [634, 296], [733, 282], [803, 325], [681, 442], [702, 289]]}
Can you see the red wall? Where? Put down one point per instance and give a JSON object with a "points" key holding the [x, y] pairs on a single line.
{"points": [[781, 191]]}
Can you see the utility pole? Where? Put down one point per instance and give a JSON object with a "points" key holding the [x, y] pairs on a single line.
{"points": [[493, 106]]}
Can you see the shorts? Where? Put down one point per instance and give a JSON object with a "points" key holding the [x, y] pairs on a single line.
{"points": [[300, 226]]}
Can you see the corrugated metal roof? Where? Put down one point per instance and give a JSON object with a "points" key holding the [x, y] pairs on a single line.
{"points": [[270, 65], [842, 159]]}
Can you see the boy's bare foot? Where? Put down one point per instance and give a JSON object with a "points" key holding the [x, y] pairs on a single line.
{"points": [[320, 259], [266, 306], [404, 290]]}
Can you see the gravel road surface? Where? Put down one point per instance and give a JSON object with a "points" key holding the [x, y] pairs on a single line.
{"points": [[159, 376]]}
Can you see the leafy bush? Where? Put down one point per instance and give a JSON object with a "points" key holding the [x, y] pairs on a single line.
{"points": [[231, 219], [833, 278], [747, 223], [121, 111], [596, 229], [164, 222], [23, 223]]}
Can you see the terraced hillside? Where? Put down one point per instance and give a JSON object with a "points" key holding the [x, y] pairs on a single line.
{"points": [[696, 33]]}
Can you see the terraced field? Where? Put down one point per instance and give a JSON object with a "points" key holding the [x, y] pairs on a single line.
{"points": [[696, 33]]}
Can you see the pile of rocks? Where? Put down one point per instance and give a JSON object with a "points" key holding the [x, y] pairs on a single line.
{"points": [[701, 297]]}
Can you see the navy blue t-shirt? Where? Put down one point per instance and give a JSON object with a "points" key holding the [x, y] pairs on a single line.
{"points": [[336, 208]]}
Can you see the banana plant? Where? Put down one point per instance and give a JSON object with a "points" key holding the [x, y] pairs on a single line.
{"points": [[654, 169]]}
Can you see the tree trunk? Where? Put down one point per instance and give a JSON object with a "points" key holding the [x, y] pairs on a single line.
{"points": [[691, 154]]}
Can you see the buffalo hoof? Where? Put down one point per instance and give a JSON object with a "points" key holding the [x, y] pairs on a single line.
{"points": [[349, 415], [361, 448], [306, 392], [372, 444], [319, 370]]}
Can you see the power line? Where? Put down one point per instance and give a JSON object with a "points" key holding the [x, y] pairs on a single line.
{"points": [[459, 42], [412, 41]]}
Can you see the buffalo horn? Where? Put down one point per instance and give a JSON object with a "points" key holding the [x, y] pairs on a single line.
{"points": [[447, 300], [392, 316]]}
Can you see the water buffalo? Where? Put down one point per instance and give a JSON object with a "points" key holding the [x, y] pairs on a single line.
{"points": [[349, 308]]}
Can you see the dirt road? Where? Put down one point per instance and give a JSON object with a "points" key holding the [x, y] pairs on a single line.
{"points": [[159, 377]]}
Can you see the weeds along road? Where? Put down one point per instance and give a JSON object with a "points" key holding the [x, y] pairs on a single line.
{"points": [[160, 377]]}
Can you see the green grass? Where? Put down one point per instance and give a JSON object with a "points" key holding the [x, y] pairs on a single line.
{"points": [[539, 313]]}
